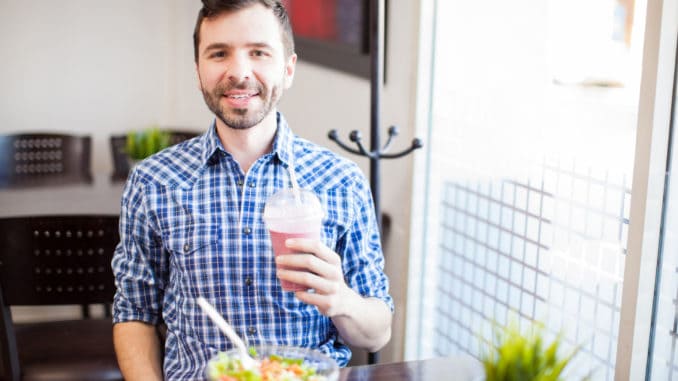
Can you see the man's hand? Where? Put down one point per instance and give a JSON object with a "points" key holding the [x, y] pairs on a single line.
{"points": [[319, 268]]}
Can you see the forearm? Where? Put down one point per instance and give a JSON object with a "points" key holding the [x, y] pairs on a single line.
{"points": [[361, 322], [138, 350], [364, 322]]}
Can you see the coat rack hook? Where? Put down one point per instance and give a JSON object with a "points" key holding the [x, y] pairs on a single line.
{"points": [[377, 151]]}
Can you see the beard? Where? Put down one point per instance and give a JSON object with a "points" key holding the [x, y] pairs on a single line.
{"points": [[241, 118]]}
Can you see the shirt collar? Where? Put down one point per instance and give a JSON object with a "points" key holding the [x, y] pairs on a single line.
{"points": [[283, 143], [211, 144]]}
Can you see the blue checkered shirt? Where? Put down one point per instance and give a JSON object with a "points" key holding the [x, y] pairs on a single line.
{"points": [[191, 225]]}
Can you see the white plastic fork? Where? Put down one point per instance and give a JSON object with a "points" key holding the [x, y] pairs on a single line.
{"points": [[245, 359]]}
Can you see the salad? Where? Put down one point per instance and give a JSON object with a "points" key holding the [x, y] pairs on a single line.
{"points": [[272, 368]]}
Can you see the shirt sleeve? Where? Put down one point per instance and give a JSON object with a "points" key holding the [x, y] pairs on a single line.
{"points": [[139, 262], [362, 255]]}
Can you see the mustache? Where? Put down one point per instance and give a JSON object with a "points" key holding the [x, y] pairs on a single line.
{"points": [[242, 85]]}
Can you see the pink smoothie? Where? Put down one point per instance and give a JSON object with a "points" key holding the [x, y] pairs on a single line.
{"points": [[278, 241]]}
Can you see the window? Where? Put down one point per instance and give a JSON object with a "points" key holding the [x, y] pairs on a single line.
{"points": [[528, 190]]}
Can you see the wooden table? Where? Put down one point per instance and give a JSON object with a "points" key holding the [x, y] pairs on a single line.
{"points": [[102, 196], [462, 368]]}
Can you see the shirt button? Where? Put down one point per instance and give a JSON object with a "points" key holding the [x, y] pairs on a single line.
{"points": [[248, 281], [251, 184], [247, 231], [187, 248], [251, 330], [240, 182]]}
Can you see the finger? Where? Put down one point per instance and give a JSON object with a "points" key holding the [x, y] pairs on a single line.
{"points": [[315, 247], [308, 280], [320, 301], [309, 263]]}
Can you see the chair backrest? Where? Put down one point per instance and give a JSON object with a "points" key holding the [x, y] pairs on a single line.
{"points": [[44, 159], [52, 260], [178, 136], [120, 161], [57, 259], [121, 164]]}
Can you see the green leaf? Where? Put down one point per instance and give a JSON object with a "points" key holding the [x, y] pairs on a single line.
{"points": [[143, 143], [523, 356]]}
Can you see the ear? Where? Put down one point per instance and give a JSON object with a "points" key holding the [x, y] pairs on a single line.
{"points": [[290, 68]]}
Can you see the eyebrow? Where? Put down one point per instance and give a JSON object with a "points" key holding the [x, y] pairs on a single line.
{"points": [[222, 45]]}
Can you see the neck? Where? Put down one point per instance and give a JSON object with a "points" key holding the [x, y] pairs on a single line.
{"points": [[249, 144]]}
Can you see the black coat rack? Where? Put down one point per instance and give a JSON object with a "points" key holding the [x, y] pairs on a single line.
{"points": [[376, 152]]}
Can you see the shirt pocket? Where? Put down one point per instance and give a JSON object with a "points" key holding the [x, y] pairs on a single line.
{"points": [[189, 239], [194, 256]]}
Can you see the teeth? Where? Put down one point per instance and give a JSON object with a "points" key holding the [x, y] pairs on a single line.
{"points": [[239, 96]]}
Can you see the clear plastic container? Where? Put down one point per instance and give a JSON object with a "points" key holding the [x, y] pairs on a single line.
{"points": [[324, 366], [292, 213]]}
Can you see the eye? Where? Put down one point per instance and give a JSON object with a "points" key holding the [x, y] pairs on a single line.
{"points": [[218, 54], [259, 53]]}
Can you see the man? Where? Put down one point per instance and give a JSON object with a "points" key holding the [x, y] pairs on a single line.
{"points": [[191, 221]]}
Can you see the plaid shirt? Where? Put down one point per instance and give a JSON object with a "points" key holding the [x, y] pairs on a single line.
{"points": [[191, 225]]}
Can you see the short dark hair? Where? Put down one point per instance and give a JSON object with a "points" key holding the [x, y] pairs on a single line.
{"points": [[214, 8]]}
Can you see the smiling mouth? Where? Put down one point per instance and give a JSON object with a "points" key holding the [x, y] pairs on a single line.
{"points": [[240, 96], [240, 100]]}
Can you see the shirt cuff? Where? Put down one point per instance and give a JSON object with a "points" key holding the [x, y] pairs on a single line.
{"points": [[124, 312]]}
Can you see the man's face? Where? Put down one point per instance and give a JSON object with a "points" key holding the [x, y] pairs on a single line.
{"points": [[242, 67]]}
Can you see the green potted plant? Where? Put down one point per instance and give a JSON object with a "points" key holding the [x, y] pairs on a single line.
{"points": [[518, 356], [143, 143]]}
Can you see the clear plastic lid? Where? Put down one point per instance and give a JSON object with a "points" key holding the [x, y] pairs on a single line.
{"points": [[286, 205]]}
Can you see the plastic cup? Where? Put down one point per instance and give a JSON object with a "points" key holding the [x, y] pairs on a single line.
{"points": [[292, 213]]}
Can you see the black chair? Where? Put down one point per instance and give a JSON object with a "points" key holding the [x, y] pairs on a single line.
{"points": [[44, 159], [121, 164], [57, 260]]}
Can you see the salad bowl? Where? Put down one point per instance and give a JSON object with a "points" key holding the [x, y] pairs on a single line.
{"points": [[273, 363]]}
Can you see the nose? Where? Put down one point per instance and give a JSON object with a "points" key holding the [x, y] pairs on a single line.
{"points": [[239, 68]]}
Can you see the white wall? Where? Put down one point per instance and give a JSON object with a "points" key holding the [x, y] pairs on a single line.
{"points": [[100, 68], [83, 67]]}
